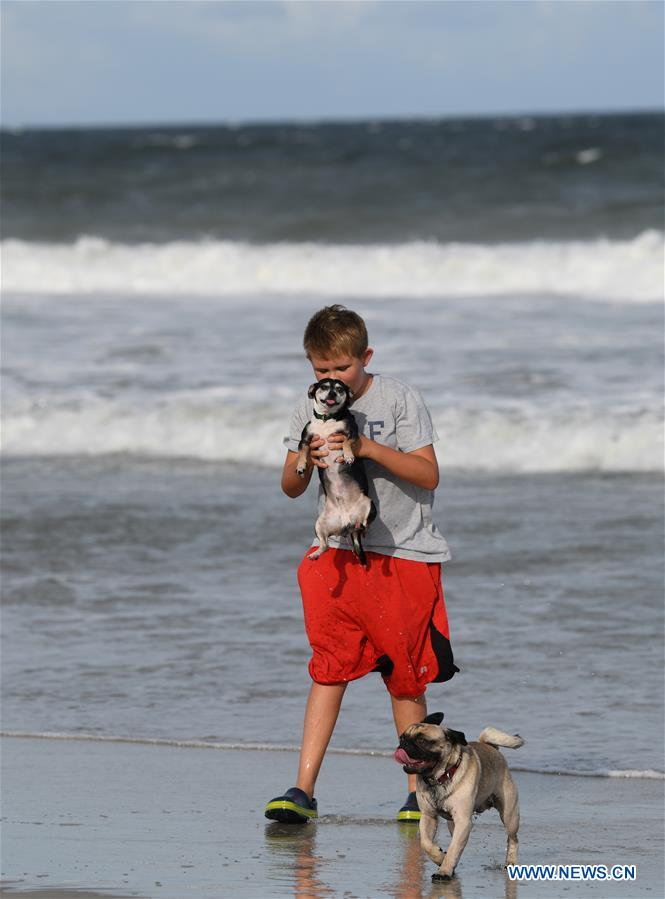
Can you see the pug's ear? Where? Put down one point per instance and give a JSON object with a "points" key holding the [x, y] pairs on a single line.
{"points": [[456, 737], [434, 718], [312, 390]]}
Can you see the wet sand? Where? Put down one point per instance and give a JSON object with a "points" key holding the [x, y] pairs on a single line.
{"points": [[87, 819]]}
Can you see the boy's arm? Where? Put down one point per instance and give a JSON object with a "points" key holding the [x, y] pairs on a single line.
{"points": [[294, 485], [418, 467]]}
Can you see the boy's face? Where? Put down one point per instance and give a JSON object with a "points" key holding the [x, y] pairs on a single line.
{"points": [[349, 369]]}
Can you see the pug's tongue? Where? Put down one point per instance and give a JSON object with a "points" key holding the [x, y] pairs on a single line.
{"points": [[403, 758]]}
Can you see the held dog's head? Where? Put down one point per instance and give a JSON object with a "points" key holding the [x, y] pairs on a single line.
{"points": [[330, 396], [425, 746]]}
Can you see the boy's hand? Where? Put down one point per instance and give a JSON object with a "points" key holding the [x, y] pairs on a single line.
{"points": [[317, 450], [418, 467]]}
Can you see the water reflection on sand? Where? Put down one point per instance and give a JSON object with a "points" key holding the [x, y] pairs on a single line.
{"points": [[301, 869]]}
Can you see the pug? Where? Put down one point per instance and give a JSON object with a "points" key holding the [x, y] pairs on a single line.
{"points": [[456, 780]]}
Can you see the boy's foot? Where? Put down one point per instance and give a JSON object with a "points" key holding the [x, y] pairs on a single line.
{"points": [[294, 807], [410, 810]]}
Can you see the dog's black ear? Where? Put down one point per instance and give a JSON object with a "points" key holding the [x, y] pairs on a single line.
{"points": [[456, 737], [434, 718], [312, 390]]}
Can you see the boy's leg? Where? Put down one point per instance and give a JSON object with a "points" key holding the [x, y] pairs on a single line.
{"points": [[405, 712], [321, 713]]}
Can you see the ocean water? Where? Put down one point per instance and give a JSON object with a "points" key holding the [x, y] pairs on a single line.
{"points": [[156, 283]]}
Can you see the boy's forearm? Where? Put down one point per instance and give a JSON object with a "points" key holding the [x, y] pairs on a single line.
{"points": [[292, 484], [411, 467]]}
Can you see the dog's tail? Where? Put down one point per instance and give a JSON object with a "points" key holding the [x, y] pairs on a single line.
{"points": [[497, 738], [358, 546]]}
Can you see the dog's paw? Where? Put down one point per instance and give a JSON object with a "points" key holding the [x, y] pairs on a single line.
{"points": [[441, 878], [314, 556], [301, 472]]}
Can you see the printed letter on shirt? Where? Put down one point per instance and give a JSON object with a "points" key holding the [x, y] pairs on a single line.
{"points": [[375, 428]]}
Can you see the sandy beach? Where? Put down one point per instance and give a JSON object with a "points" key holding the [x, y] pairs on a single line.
{"points": [[84, 818]]}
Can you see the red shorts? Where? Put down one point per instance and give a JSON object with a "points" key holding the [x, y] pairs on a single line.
{"points": [[389, 617]]}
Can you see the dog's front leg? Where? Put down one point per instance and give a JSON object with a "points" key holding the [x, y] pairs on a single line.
{"points": [[347, 451], [460, 835], [428, 825], [303, 453], [301, 464]]}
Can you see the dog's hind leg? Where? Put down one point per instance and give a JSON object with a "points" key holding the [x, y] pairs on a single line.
{"points": [[507, 804], [322, 533], [428, 825]]}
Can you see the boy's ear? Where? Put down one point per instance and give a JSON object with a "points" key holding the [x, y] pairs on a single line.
{"points": [[312, 390], [456, 737], [434, 718]]}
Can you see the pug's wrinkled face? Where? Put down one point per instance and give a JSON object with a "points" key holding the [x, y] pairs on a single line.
{"points": [[330, 395], [425, 746]]}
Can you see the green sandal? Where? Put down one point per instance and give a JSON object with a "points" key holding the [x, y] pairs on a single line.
{"points": [[410, 811], [294, 807]]}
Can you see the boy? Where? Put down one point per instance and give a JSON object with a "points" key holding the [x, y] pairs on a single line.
{"points": [[389, 617]]}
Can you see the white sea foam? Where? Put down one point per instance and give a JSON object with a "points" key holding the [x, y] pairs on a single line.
{"points": [[209, 427], [632, 773], [602, 270]]}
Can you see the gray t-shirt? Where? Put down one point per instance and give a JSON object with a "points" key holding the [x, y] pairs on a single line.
{"points": [[394, 414]]}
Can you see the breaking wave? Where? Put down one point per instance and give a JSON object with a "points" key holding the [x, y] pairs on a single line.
{"points": [[601, 270], [191, 425]]}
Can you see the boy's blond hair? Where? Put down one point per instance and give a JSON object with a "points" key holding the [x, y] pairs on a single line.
{"points": [[335, 330]]}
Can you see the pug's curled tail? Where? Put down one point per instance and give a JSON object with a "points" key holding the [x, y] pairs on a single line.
{"points": [[497, 738]]}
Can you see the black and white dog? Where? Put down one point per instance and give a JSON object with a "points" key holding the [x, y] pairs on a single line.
{"points": [[348, 510]]}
